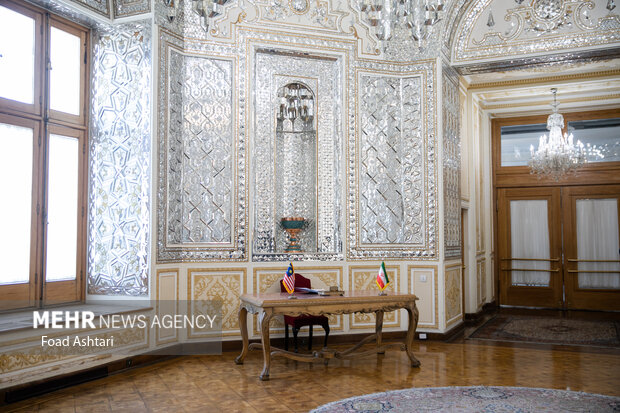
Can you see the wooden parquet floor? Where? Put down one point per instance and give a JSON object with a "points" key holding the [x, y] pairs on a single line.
{"points": [[216, 384]]}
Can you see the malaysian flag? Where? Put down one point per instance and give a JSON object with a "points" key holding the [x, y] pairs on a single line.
{"points": [[289, 279]]}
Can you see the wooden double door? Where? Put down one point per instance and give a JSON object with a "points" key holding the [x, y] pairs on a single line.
{"points": [[559, 247]]}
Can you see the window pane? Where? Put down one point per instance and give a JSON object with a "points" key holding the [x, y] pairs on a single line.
{"points": [[516, 141], [62, 208], [16, 56], [529, 239], [597, 240], [602, 133], [65, 73], [15, 210]]}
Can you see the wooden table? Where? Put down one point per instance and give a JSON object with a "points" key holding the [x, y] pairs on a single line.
{"points": [[269, 305]]}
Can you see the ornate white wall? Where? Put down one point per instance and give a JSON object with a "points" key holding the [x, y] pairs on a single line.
{"points": [[499, 30], [389, 185]]}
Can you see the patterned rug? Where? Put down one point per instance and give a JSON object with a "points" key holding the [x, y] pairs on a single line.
{"points": [[475, 399], [550, 330]]}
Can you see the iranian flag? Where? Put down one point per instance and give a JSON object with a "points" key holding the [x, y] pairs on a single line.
{"points": [[382, 278]]}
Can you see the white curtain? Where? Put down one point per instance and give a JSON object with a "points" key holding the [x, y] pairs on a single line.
{"points": [[529, 238], [597, 239]]}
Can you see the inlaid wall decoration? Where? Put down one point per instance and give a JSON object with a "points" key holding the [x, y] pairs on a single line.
{"points": [[201, 146], [453, 294], [365, 278], [451, 162], [499, 29], [340, 18], [222, 284], [126, 8], [101, 7], [201, 212], [314, 150], [392, 181], [120, 153]]}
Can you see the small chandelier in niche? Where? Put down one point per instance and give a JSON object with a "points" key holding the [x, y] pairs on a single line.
{"points": [[556, 155], [416, 15], [296, 110]]}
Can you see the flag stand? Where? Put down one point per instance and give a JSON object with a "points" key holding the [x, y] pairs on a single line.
{"points": [[292, 296], [382, 293]]}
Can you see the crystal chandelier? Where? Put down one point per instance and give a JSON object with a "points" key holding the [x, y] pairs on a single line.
{"points": [[417, 16], [556, 155]]}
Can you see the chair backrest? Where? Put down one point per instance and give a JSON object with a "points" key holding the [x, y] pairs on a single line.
{"points": [[300, 281]]}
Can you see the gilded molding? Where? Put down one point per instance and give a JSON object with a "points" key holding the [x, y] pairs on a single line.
{"points": [[545, 80]]}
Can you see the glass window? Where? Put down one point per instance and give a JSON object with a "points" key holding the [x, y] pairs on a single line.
{"points": [[62, 208], [16, 57], [601, 135], [42, 163], [65, 72], [516, 141], [16, 165]]}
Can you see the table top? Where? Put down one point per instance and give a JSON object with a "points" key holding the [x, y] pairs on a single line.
{"points": [[349, 297]]}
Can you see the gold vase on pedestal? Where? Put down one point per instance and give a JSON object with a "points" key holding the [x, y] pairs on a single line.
{"points": [[293, 226]]}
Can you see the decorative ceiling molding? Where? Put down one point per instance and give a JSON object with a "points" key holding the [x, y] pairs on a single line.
{"points": [[332, 18], [126, 8], [562, 59], [545, 80], [500, 30], [545, 103], [324, 18], [95, 13]]}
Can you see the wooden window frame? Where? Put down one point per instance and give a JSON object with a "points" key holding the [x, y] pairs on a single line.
{"points": [[34, 109], [44, 121], [589, 174]]}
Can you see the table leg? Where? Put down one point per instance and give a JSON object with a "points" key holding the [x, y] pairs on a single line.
{"points": [[413, 312], [378, 331], [263, 320], [243, 326]]}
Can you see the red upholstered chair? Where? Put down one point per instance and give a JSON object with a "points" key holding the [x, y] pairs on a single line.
{"points": [[303, 320]]}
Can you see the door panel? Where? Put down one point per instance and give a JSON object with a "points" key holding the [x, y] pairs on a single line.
{"points": [[529, 247], [592, 247]]}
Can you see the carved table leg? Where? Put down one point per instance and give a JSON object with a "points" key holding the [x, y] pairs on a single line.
{"points": [[413, 312], [263, 320], [378, 331], [243, 326]]}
